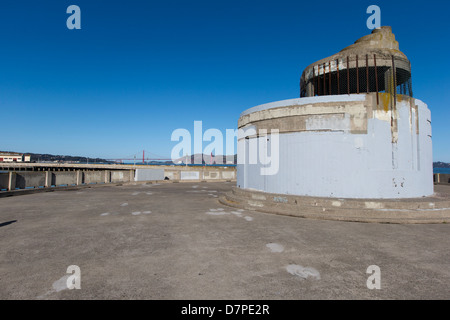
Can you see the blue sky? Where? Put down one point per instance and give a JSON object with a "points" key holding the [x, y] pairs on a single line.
{"points": [[138, 70]]}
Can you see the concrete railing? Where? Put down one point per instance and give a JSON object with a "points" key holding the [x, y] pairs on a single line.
{"points": [[14, 180], [442, 178], [45, 179], [199, 174]]}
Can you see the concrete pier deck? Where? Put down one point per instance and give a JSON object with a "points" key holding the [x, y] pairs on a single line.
{"points": [[176, 241]]}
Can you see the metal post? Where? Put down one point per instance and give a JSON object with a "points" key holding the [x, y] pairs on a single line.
{"points": [[329, 76], [337, 67], [367, 72], [348, 75], [324, 83], [316, 85], [376, 77], [357, 75], [318, 80]]}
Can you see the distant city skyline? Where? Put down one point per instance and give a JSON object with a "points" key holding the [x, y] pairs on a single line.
{"points": [[138, 70]]}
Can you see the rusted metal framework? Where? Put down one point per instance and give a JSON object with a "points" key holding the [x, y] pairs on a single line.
{"points": [[358, 74]]}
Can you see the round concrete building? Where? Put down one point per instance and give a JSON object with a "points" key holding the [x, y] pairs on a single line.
{"points": [[355, 132]]}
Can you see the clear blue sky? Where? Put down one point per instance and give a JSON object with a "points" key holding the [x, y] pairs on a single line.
{"points": [[138, 70]]}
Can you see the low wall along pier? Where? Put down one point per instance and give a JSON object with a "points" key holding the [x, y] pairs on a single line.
{"points": [[42, 176], [441, 178], [39, 176]]}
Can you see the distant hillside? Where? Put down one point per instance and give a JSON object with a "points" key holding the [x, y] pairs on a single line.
{"points": [[441, 165], [39, 157]]}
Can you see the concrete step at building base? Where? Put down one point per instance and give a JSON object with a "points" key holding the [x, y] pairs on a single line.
{"points": [[377, 211]]}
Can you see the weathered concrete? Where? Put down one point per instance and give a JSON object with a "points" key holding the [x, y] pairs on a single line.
{"points": [[201, 174], [64, 178], [192, 247], [427, 210], [29, 175], [81, 166], [381, 44], [340, 147], [94, 177], [122, 175], [190, 175], [4, 179], [29, 179], [149, 174]]}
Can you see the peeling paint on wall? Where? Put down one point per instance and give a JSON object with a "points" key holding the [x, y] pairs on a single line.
{"points": [[345, 149]]}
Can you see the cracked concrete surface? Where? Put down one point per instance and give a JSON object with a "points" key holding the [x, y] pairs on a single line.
{"points": [[180, 252]]}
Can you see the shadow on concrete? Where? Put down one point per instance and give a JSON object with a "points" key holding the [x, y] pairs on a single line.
{"points": [[7, 223]]}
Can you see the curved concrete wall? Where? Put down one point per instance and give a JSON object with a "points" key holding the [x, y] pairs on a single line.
{"points": [[352, 148]]}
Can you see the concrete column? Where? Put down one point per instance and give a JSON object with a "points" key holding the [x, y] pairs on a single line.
{"points": [[107, 176], [79, 177], [309, 90], [131, 175], [12, 181], [438, 178], [48, 179]]}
